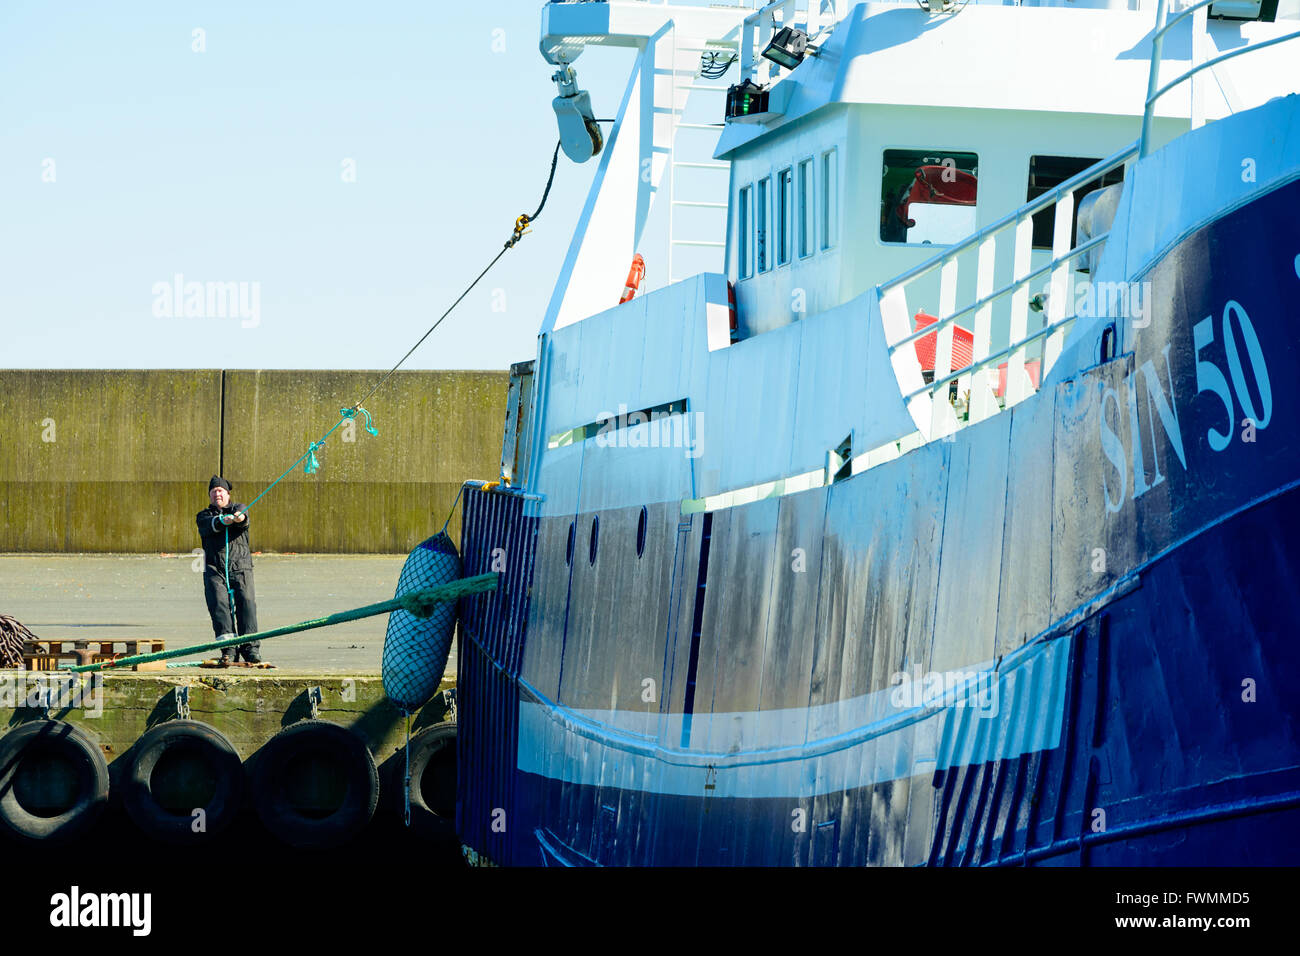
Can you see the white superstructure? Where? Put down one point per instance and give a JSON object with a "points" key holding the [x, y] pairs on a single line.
{"points": [[799, 211]]}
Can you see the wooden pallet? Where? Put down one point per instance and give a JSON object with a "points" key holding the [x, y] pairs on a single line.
{"points": [[45, 655]]}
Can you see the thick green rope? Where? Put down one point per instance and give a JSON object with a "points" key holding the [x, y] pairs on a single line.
{"points": [[421, 603]]}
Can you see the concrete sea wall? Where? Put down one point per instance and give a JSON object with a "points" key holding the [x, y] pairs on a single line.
{"points": [[119, 460]]}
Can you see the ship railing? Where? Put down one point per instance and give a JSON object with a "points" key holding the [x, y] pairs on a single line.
{"points": [[935, 415], [1165, 23]]}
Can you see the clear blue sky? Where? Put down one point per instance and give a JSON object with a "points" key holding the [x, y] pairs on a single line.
{"points": [[227, 166]]}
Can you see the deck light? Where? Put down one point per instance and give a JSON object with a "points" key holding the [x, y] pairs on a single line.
{"points": [[788, 47], [1263, 10], [746, 99]]}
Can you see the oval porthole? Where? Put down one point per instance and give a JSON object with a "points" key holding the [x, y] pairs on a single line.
{"points": [[595, 534], [640, 533], [573, 533]]}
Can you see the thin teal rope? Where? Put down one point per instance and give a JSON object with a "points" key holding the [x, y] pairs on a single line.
{"points": [[230, 592], [313, 463], [406, 790]]}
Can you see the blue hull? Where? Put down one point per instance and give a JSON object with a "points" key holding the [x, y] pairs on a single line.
{"points": [[1153, 720], [1160, 668]]}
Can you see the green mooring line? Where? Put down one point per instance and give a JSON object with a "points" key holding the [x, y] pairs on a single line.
{"points": [[420, 603]]}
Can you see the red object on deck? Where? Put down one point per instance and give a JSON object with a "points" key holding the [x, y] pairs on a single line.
{"points": [[962, 343], [731, 308], [1031, 367], [634, 277], [962, 346]]}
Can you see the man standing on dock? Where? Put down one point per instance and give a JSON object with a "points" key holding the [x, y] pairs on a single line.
{"points": [[228, 571]]}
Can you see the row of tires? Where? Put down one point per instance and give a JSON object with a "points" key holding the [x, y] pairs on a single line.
{"points": [[314, 784]]}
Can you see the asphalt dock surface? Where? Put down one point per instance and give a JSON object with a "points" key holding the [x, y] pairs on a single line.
{"points": [[131, 597]]}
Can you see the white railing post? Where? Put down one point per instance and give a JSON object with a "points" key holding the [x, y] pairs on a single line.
{"points": [[983, 400], [1153, 79], [907, 370], [1059, 292], [1017, 381], [944, 421], [747, 30], [765, 32], [1200, 53]]}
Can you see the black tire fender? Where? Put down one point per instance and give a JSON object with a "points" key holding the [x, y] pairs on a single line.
{"points": [[197, 738], [38, 737], [271, 777], [433, 781]]}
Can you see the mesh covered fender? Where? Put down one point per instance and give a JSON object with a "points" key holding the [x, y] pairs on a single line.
{"points": [[416, 648]]}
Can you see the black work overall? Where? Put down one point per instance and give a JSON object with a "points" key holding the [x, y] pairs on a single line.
{"points": [[213, 534]]}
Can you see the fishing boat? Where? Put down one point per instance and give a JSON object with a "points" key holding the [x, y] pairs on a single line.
{"points": [[927, 492]]}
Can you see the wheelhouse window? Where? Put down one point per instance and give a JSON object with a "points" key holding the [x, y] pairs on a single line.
{"points": [[1048, 172], [927, 196], [744, 267], [805, 208], [762, 215], [784, 213], [829, 199]]}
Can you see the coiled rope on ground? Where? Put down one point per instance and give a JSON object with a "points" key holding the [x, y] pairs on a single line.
{"points": [[12, 636]]}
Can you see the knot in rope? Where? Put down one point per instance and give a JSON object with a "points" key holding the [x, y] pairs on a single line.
{"points": [[417, 603], [312, 464], [352, 413]]}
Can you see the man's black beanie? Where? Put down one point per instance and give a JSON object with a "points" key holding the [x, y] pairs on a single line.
{"points": [[218, 482]]}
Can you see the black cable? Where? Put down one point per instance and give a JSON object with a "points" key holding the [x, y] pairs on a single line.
{"points": [[555, 158], [710, 69], [432, 327], [520, 225]]}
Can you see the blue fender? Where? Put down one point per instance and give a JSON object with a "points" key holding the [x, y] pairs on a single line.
{"points": [[416, 648]]}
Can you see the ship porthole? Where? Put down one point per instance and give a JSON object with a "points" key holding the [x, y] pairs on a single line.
{"points": [[568, 553], [640, 533], [595, 535]]}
